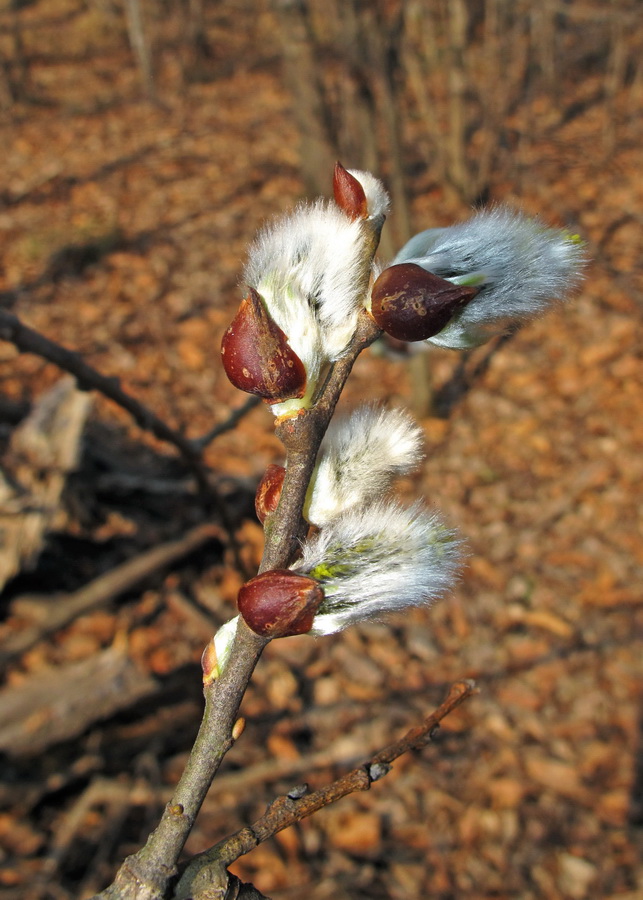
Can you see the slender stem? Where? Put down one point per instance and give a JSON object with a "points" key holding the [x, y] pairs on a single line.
{"points": [[146, 874], [301, 436]]}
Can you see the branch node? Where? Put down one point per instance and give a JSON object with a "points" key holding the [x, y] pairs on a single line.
{"points": [[378, 770], [298, 791]]}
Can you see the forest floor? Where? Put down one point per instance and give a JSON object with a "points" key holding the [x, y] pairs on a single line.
{"points": [[123, 231]]}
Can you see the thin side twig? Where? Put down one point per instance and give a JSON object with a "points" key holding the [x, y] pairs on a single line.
{"points": [[463, 380], [289, 809], [227, 425]]}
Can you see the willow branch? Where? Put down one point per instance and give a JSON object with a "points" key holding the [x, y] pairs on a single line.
{"points": [[302, 435], [147, 874]]}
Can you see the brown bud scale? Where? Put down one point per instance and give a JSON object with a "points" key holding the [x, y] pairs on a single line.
{"points": [[209, 663], [280, 603], [349, 193], [257, 357], [269, 491], [238, 728], [412, 304]]}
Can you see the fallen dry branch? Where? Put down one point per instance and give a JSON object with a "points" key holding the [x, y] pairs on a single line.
{"points": [[60, 704], [117, 795], [51, 613], [42, 451], [26, 793], [27, 340], [205, 873]]}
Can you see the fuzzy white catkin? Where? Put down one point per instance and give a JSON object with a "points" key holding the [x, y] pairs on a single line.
{"points": [[358, 459], [377, 200], [521, 265], [306, 266], [378, 559]]}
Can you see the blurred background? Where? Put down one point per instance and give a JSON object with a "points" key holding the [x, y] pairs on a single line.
{"points": [[143, 143]]}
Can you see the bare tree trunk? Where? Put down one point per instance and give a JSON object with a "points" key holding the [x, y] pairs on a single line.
{"points": [[616, 68], [14, 69], [387, 106], [542, 25], [336, 61], [421, 58], [140, 45], [457, 80], [505, 58], [301, 70], [6, 88], [196, 42]]}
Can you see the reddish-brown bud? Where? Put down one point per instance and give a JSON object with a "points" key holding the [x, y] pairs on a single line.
{"points": [[412, 304], [280, 603], [349, 193], [269, 491], [257, 356]]}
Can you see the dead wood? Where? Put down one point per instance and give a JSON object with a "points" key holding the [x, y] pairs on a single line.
{"points": [[29, 341], [26, 793], [59, 704], [118, 796], [42, 451], [49, 613]]}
